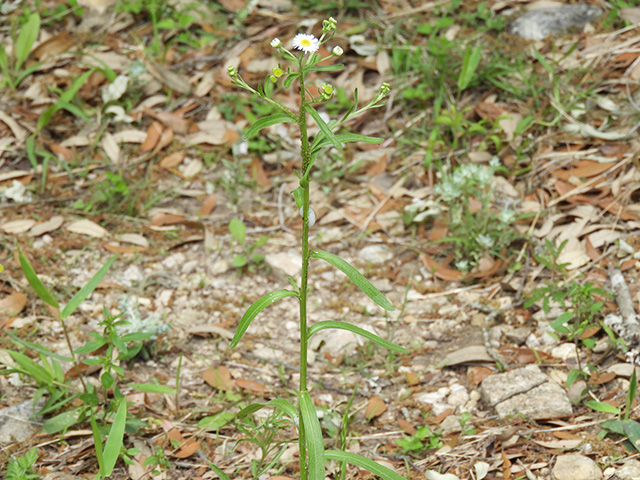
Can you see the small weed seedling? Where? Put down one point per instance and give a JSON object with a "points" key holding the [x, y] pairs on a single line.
{"points": [[476, 228], [105, 408], [249, 259], [11, 64], [305, 417], [623, 425], [21, 468]]}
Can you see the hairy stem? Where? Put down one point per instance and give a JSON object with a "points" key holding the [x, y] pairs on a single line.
{"points": [[304, 183]]}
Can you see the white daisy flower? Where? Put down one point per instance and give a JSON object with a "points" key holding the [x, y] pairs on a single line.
{"points": [[306, 43]]}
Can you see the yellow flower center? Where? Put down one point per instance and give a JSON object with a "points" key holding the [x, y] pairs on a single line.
{"points": [[305, 43]]}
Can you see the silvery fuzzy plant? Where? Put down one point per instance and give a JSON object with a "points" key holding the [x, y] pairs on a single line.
{"points": [[304, 417]]}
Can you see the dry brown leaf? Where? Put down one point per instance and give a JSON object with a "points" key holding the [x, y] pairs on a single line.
{"points": [[87, 227], [472, 353], [188, 449], [172, 160], [50, 225], [375, 407], [208, 205], [170, 120], [136, 239], [440, 271], [166, 139], [259, 174], [251, 386], [407, 427], [18, 131], [111, 148], [13, 304], [219, 378], [604, 378], [18, 226], [160, 219], [53, 45], [167, 77], [154, 132]]}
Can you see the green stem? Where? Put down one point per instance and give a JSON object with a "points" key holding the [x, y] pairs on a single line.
{"points": [[304, 183]]}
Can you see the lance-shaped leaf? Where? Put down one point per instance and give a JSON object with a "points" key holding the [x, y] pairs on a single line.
{"points": [[352, 328], [266, 122], [34, 281], [363, 462], [113, 446], [278, 403], [313, 436], [324, 128], [348, 137], [356, 277], [327, 68], [260, 304], [85, 291]]}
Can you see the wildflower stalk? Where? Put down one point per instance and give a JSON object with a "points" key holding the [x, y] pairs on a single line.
{"points": [[304, 281], [310, 442]]}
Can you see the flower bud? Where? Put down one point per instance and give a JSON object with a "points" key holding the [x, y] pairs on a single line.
{"points": [[276, 43], [384, 89], [329, 25], [337, 51], [277, 72], [232, 72]]}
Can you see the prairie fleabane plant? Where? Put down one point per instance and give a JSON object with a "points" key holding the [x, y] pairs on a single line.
{"points": [[312, 453]]}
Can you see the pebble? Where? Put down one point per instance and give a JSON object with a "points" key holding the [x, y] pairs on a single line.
{"points": [[575, 467], [288, 263], [16, 421], [375, 254]]}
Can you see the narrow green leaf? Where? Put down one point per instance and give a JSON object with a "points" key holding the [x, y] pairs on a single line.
{"points": [[37, 348], [363, 462], [85, 291], [289, 80], [356, 277], [97, 442], [470, 63], [27, 37], [153, 388], [260, 304], [543, 62], [31, 368], [65, 98], [602, 407], [114, 443], [215, 422], [631, 394], [219, 472], [327, 68], [279, 403], [267, 122], [352, 328], [346, 138], [35, 282], [324, 128], [313, 435], [62, 421]]}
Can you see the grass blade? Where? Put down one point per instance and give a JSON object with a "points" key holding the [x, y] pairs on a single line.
{"points": [[114, 442], [356, 277], [352, 328], [85, 291], [260, 304], [313, 435], [279, 403], [470, 63], [363, 462], [219, 472], [36, 284], [151, 388], [27, 37], [266, 122]]}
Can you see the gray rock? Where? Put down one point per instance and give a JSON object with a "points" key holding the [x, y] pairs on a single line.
{"points": [[16, 423], [630, 470], [526, 391], [575, 467], [540, 23], [288, 263], [575, 391], [518, 335], [375, 254]]}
